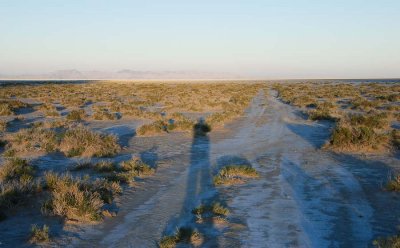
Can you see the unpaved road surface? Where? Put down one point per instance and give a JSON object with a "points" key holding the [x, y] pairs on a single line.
{"points": [[305, 197]]}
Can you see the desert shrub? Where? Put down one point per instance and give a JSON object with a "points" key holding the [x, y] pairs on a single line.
{"points": [[320, 114], [153, 128], [394, 184], [355, 137], [390, 242], [215, 212], [182, 235], [396, 138], [363, 104], [9, 107], [107, 190], [234, 174], [80, 141], [130, 169], [49, 109], [76, 115], [105, 166], [39, 235], [369, 120], [16, 169], [3, 125], [34, 139], [104, 114], [71, 200]]}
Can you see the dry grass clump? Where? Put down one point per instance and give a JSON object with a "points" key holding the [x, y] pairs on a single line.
{"points": [[77, 199], [16, 183], [105, 166], [3, 125], [390, 242], [8, 107], [186, 235], [49, 109], [360, 133], [80, 141], [396, 138], [104, 114], [214, 212], [234, 174], [76, 115], [130, 169], [16, 169], [39, 235], [33, 140], [394, 184], [156, 127]]}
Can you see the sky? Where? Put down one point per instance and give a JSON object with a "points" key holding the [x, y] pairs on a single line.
{"points": [[252, 38]]}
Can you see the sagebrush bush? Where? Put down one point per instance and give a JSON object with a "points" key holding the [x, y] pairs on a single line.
{"points": [[81, 141]]}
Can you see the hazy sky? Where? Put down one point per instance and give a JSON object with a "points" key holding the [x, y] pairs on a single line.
{"points": [[258, 38]]}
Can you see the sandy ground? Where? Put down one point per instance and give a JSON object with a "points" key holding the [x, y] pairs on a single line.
{"points": [[306, 197]]}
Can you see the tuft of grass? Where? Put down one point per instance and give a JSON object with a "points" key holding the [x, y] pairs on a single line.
{"points": [[105, 166], [76, 115], [394, 184], [80, 141], [3, 125], [33, 140], [396, 138], [39, 235], [234, 174], [104, 114], [356, 137], [182, 235], [16, 169], [156, 127], [213, 212], [72, 199], [390, 242]]}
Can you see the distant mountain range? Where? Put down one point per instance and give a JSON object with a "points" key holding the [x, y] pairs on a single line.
{"points": [[123, 74]]}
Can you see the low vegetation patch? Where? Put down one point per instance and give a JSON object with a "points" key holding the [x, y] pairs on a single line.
{"points": [[80, 141], [394, 184], [357, 138], [39, 235], [33, 140], [76, 115], [77, 199], [234, 174], [186, 235], [214, 212], [390, 242]]}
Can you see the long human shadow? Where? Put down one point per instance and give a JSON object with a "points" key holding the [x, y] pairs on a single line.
{"points": [[199, 187]]}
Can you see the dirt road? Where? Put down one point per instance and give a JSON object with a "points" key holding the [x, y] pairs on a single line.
{"points": [[306, 197]]}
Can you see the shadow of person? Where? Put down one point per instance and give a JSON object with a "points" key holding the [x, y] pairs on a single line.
{"points": [[199, 184]]}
